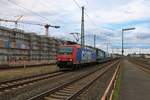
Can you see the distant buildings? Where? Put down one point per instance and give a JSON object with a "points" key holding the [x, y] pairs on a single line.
{"points": [[140, 55], [18, 47]]}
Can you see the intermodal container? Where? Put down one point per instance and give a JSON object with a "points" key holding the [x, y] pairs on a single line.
{"points": [[86, 55]]}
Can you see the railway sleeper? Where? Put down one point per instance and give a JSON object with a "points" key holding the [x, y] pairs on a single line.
{"points": [[7, 90], [63, 94], [48, 98], [14, 88], [73, 89], [58, 96], [20, 83], [4, 85], [67, 92], [9, 83]]}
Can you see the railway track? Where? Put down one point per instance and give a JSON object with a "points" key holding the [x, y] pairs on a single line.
{"points": [[73, 88], [142, 60], [142, 66], [17, 83], [13, 67]]}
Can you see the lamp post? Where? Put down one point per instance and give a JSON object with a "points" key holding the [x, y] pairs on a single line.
{"points": [[127, 29]]}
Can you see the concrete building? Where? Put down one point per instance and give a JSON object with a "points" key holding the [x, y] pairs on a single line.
{"points": [[18, 48]]}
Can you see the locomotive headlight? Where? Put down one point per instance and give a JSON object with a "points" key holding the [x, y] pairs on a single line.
{"points": [[59, 59], [70, 59]]}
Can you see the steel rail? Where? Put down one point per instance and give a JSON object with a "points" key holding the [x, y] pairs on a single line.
{"points": [[73, 97], [20, 82], [8, 81], [110, 88], [141, 66], [61, 86]]}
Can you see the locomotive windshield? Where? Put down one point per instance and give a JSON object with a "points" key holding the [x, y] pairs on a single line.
{"points": [[65, 50]]}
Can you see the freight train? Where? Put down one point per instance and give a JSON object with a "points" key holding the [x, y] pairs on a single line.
{"points": [[75, 56]]}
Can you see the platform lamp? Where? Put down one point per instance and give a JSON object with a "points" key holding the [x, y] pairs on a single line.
{"points": [[126, 29]]}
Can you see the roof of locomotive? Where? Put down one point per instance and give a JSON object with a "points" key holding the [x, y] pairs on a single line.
{"points": [[74, 45], [79, 46]]}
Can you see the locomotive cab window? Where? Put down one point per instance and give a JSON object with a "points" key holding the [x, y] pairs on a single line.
{"points": [[67, 50]]}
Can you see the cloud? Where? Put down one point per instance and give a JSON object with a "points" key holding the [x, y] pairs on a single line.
{"points": [[105, 19]]}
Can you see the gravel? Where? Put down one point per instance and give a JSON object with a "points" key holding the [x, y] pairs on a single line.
{"points": [[39, 87]]}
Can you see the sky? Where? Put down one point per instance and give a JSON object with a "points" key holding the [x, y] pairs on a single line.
{"points": [[103, 18]]}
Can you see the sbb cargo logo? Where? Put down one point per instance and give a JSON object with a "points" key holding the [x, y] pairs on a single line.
{"points": [[86, 55]]}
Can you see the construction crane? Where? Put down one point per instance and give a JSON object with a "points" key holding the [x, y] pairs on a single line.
{"points": [[16, 22], [46, 26]]}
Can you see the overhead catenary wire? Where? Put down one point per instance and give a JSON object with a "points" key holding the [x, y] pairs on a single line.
{"points": [[86, 2], [77, 4], [46, 5], [91, 20], [29, 10], [31, 23], [89, 17]]}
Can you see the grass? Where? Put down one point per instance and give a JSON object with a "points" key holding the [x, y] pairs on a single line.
{"points": [[24, 72], [118, 84]]}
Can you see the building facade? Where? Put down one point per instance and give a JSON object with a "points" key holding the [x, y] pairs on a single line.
{"points": [[18, 48]]}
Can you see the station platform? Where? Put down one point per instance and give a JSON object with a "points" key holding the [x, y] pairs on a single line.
{"points": [[135, 83]]}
